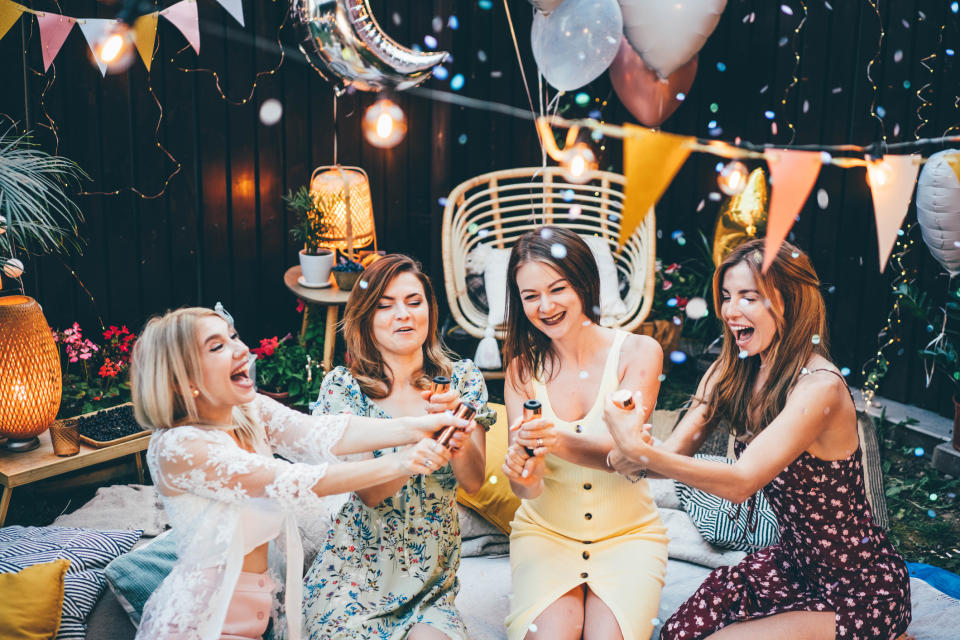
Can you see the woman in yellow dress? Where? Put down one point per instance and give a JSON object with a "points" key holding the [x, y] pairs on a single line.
{"points": [[588, 551]]}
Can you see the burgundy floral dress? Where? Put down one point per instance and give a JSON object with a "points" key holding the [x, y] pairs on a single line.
{"points": [[831, 557]]}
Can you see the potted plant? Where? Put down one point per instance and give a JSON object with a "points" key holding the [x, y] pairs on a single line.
{"points": [[94, 375], [346, 273], [675, 285], [315, 261], [287, 372]]}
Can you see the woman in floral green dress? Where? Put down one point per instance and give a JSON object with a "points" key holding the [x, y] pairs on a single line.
{"points": [[389, 567]]}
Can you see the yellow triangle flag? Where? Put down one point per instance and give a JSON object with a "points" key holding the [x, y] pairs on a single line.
{"points": [[144, 35], [10, 12], [650, 160], [953, 159]]}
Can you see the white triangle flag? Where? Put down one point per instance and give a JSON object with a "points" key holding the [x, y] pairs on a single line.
{"points": [[93, 29], [234, 8]]}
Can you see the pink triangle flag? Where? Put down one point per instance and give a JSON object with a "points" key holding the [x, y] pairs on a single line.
{"points": [[93, 29], [792, 176], [891, 180], [183, 16], [54, 29], [234, 8]]}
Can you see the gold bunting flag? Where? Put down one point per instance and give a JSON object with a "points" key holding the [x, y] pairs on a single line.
{"points": [[650, 160], [10, 12], [792, 176], [891, 180], [953, 160], [144, 35]]}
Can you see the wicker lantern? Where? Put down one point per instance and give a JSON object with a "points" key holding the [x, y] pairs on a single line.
{"points": [[343, 195], [30, 383]]}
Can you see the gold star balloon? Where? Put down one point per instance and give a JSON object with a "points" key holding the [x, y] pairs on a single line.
{"points": [[742, 217]]}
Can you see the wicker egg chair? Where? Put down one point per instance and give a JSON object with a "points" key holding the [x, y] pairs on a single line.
{"points": [[498, 207]]}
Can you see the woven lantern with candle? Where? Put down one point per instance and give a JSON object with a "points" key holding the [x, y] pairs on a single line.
{"points": [[30, 383], [343, 195]]}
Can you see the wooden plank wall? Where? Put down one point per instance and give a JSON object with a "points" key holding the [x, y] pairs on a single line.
{"points": [[218, 231]]}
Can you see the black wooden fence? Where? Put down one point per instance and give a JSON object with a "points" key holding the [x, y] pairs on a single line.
{"points": [[218, 229]]}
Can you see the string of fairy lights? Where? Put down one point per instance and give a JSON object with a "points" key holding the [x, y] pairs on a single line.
{"points": [[794, 80], [874, 4]]}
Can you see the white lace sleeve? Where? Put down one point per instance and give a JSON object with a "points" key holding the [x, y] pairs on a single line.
{"points": [[298, 436], [207, 463]]}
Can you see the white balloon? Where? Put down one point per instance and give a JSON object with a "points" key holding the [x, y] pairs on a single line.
{"points": [[938, 210], [577, 41], [697, 308], [546, 6], [667, 34]]}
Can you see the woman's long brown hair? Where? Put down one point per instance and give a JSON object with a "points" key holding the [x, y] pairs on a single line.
{"points": [[526, 345], [365, 362], [802, 316]]}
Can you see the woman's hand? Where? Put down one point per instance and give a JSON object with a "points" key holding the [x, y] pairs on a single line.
{"points": [[539, 435], [629, 432], [521, 468], [425, 457], [440, 402], [420, 427]]}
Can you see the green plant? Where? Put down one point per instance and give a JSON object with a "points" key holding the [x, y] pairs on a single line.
{"points": [[309, 227], [941, 353], [95, 376], [38, 214], [284, 365]]}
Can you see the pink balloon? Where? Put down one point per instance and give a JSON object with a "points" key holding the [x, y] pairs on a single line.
{"points": [[650, 98]]}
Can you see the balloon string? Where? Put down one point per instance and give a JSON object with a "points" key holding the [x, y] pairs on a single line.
{"points": [[523, 74]]}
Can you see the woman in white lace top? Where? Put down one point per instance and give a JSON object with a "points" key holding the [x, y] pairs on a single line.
{"points": [[226, 495]]}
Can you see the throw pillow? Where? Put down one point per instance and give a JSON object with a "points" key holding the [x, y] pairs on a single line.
{"points": [[713, 517], [87, 550], [134, 576], [495, 500], [31, 600]]}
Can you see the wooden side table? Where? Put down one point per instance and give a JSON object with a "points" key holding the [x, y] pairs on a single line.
{"points": [[18, 469], [330, 297]]}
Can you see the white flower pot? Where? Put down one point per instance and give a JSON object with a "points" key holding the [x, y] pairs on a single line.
{"points": [[316, 269]]}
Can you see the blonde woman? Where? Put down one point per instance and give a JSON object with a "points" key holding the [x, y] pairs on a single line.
{"points": [[389, 569], [227, 497]]}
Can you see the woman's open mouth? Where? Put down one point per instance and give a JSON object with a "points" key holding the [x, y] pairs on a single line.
{"points": [[241, 376], [554, 319], [404, 330], [741, 334]]}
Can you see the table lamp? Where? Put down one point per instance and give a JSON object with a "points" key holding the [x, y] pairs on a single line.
{"points": [[343, 195]]}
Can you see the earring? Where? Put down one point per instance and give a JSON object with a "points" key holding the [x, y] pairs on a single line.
{"points": [[196, 393]]}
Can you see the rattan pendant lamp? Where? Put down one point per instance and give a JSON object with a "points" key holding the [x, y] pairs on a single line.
{"points": [[30, 383]]}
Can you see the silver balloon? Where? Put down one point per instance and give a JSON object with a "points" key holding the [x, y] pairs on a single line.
{"points": [[546, 6], [938, 208], [668, 34], [577, 41], [345, 45]]}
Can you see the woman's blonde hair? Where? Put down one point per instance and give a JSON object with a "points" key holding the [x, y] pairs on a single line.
{"points": [[801, 326], [365, 362], [166, 367]]}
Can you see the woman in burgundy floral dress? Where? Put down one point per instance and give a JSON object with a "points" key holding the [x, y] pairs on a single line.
{"points": [[833, 573]]}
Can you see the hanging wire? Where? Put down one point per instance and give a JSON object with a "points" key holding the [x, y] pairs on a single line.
{"points": [[873, 60], [796, 67]]}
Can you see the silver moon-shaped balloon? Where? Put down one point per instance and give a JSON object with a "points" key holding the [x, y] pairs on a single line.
{"points": [[345, 45], [938, 208]]}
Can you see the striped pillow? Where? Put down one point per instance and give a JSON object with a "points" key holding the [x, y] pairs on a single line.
{"points": [[87, 550], [713, 517]]}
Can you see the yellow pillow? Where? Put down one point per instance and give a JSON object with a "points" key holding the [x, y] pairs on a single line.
{"points": [[495, 500], [31, 601]]}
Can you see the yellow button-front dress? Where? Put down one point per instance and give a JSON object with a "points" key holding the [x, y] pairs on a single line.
{"points": [[588, 527]]}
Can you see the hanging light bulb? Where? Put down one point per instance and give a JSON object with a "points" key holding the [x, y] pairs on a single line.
{"points": [[578, 163], [115, 47], [879, 173], [733, 178], [384, 124]]}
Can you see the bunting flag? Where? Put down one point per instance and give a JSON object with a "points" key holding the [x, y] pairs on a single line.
{"points": [[183, 16], [144, 35], [54, 29], [10, 12], [234, 8], [891, 180], [650, 160], [93, 29], [792, 176], [952, 159]]}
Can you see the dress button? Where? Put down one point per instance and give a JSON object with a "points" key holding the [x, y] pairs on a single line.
{"points": [[586, 555], [587, 486], [259, 615], [587, 515], [579, 428], [584, 574]]}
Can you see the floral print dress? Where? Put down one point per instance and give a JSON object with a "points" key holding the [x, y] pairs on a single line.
{"points": [[389, 567]]}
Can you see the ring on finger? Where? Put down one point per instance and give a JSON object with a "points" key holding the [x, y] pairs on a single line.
{"points": [[539, 442], [428, 464]]}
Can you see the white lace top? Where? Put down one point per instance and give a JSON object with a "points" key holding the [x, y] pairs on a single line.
{"points": [[208, 484]]}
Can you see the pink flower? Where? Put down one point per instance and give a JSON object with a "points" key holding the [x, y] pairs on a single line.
{"points": [[73, 358], [673, 268], [667, 284]]}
